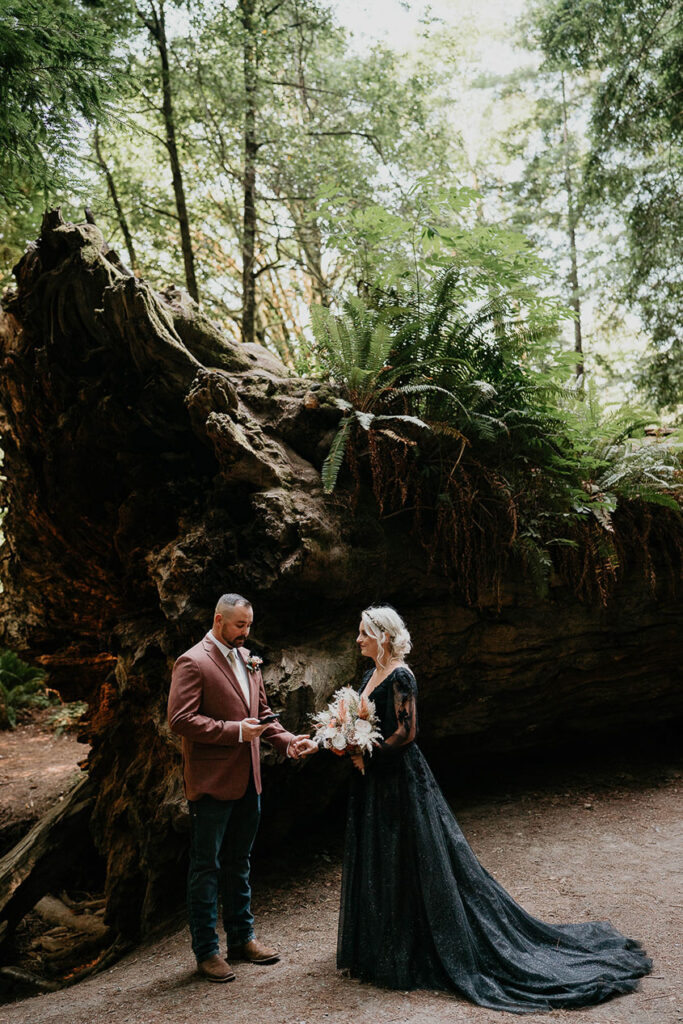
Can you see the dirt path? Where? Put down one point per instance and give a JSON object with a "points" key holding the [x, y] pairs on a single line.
{"points": [[582, 846], [36, 769]]}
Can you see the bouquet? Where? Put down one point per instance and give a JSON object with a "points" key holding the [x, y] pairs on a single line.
{"points": [[348, 725]]}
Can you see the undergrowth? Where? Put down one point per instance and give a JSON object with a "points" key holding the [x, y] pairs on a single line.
{"points": [[450, 417], [22, 687]]}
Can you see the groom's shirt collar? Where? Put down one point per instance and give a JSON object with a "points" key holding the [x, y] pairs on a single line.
{"points": [[225, 651]]}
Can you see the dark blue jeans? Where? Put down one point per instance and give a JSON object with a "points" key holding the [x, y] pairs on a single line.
{"points": [[222, 833]]}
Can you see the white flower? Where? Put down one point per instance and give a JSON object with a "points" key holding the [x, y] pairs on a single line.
{"points": [[338, 727], [363, 729]]}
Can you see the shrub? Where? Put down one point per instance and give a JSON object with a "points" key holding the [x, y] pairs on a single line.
{"points": [[21, 686], [67, 717], [447, 413]]}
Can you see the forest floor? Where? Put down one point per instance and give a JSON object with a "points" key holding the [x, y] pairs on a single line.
{"points": [[36, 768], [594, 842]]}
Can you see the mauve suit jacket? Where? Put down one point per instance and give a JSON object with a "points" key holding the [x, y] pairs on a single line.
{"points": [[205, 706]]}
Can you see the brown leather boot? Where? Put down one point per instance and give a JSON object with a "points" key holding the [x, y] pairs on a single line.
{"points": [[254, 952], [216, 969]]}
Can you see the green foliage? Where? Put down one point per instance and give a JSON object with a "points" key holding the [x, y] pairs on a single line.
{"points": [[340, 134], [633, 50], [21, 686], [396, 249], [322, 114], [56, 71], [354, 349], [461, 365], [448, 408], [455, 309], [616, 460], [67, 717]]}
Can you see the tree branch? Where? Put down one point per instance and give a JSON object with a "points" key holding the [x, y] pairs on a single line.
{"points": [[348, 131], [297, 85]]}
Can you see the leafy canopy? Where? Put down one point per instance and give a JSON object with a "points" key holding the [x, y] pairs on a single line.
{"points": [[56, 72], [634, 48]]}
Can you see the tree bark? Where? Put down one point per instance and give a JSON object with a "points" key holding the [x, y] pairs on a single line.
{"points": [[113, 192], [308, 228], [572, 219], [247, 10], [152, 465], [156, 26], [39, 861]]}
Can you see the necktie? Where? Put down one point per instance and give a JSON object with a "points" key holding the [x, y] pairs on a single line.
{"points": [[234, 665]]}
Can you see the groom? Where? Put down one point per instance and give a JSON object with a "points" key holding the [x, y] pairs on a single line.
{"points": [[218, 704]]}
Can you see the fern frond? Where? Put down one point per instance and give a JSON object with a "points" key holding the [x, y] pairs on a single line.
{"points": [[414, 420], [364, 418], [335, 457], [396, 437]]}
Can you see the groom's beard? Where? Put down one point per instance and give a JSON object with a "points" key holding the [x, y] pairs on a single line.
{"points": [[236, 641]]}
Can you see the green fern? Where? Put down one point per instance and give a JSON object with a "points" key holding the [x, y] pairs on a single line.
{"points": [[435, 363], [335, 457], [497, 457], [21, 686], [537, 562], [354, 349], [367, 421]]}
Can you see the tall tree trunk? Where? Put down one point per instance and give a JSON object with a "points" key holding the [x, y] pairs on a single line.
{"points": [[572, 219], [120, 215], [308, 228], [495, 302], [156, 25], [310, 240], [250, 150]]}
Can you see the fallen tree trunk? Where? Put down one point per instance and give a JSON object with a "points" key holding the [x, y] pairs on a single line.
{"points": [[55, 912], [41, 860], [71, 938], [153, 465]]}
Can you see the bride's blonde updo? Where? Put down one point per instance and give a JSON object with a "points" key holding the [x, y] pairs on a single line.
{"points": [[384, 623]]}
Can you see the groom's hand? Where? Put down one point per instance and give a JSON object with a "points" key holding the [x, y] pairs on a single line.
{"points": [[251, 729], [302, 746]]}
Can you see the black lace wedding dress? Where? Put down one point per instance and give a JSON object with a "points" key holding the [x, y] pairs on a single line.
{"points": [[419, 911]]}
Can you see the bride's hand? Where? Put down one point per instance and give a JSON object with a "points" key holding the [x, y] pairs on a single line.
{"points": [[358, 761]]}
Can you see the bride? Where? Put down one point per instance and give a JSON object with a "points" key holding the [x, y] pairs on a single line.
{"points": [[417, 908]]}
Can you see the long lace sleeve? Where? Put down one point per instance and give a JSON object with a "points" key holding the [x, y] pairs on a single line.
{"points": [[405, 707]]}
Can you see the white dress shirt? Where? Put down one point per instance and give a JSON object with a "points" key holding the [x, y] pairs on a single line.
{"points": [[237, 665], [239, 668]]}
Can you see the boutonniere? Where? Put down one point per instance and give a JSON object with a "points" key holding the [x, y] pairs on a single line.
{"points": [[253, 663]]}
